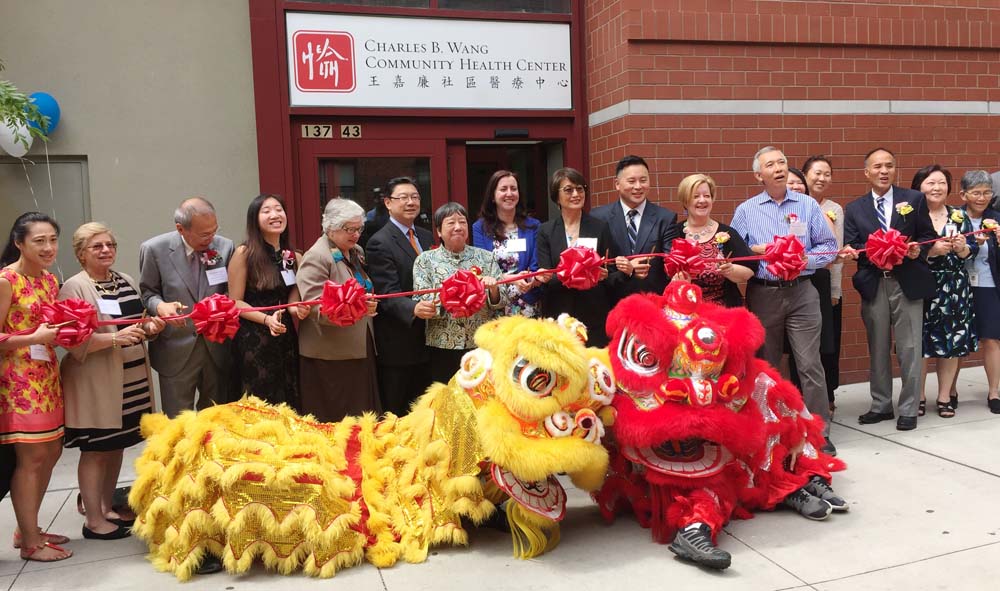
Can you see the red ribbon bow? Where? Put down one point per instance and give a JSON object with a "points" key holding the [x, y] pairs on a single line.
{"points": [[684, 255], [216, 318], [462, 294], [886, 249], [785, 257], [579, 268], [343, 305], [80, 315]]}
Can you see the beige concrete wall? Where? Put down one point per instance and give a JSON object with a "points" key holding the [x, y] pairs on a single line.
{"points": [[156, 94]]}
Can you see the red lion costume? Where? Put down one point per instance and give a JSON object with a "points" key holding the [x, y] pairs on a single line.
{"points": [[704, 430]]}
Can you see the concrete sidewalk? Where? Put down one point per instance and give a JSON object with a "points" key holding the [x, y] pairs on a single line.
{"points": [[924, 515]]}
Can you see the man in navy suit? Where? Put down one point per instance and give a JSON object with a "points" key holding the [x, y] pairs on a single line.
{"points": [[892, 302], [403, 360], [637, 226]]}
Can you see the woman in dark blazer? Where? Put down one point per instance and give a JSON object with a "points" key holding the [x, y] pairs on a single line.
{"points": [[984, 275], [573, 227]]}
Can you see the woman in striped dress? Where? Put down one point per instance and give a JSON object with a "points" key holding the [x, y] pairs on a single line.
{"points": [[106, 380]]}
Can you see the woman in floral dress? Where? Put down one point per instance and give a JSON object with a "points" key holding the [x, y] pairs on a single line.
{"points": [[509, 233], [949, 323], [31, 401]]}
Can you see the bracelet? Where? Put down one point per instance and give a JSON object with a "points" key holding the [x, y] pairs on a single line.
{"points": [[114, 340]]}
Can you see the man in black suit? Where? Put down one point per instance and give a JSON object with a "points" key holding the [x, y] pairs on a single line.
{"points": [[403, 361], [892, 302], [637, 226]]}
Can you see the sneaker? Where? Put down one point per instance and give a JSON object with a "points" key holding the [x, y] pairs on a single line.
{"points": [[829, 448], [822, 489], [808, 505], [695, 544]]}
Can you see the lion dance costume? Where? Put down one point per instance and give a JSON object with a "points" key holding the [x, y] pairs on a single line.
{"points": [[704, 431], [247, 480]]}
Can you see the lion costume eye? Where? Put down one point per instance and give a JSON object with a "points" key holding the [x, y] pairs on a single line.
{"points": [[536, 381], [636, 357]]}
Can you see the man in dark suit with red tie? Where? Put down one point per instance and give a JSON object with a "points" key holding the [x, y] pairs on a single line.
{"points": [[403, 361], [637, 226], [892, 302]]}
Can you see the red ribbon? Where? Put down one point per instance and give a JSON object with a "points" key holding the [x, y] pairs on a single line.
{"points": [[886, 249], [343, 305], [216, 318], [78, 316], [462, 294], [579, 268], [684, 255], [785, 257]]}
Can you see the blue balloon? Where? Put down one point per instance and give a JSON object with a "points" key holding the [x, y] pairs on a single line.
{"points": [[47, 106]]}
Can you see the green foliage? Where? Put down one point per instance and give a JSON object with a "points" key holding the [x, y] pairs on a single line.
{"points": [[17, 109]]}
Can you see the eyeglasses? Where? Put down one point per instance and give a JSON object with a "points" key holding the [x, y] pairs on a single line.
{"points": [[101, 246], [980, 194], [405, 197], [569, 190], [354, 230]]}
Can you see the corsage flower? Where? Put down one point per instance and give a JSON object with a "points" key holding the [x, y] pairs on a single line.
{"points": [[832, 214], [287, 259], [210, 257], [989, 224], [791, 218], [721, 237], [903, 209], [956, 216]]}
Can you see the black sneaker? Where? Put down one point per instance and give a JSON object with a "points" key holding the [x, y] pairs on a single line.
{"points": [[808, 505], [829, 448], [696, 545], [822, 489]]}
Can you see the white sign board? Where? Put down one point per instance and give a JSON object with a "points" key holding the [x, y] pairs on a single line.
{"points": [[338, 60]]}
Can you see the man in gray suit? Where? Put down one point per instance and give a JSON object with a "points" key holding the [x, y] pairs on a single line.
{"points": [[176, 270]]}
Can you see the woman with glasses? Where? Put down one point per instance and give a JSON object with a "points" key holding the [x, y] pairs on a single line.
{"points": [[506, 230], [573, 227], [102, 420], [984, 276], [336, 363], [262, 273]]}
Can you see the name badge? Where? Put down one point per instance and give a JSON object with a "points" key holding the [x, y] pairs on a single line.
{"points": [[109, 307], [40, 353], [217, 276], [590, 243], [516, 245], [950, 229], [797, 228], [289, 276], [973, 279]]}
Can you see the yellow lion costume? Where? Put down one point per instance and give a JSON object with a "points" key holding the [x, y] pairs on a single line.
{"points": [[249, 479]]}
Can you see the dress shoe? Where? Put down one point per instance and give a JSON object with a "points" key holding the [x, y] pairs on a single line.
{"points": [[209, 565], [906, 423], [871, 417], [116, 534], [994, 404]]}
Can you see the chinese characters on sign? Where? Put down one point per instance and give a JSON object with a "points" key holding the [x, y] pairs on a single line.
{"points": [[375, 61]]}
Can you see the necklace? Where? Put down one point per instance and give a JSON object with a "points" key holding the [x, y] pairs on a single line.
{"points": [[699, 232], [103, 286]]}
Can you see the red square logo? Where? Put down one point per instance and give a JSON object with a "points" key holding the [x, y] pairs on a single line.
{"points": [[324, 61]]}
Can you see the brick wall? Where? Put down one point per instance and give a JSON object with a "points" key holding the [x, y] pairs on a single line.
{"points": [[700, 85]]}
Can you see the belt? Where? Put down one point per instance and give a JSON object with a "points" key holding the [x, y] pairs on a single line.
{"points": [[778, 284], [886, 274]]}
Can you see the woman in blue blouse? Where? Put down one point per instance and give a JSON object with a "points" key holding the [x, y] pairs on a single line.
{"points": [[506, 230]]}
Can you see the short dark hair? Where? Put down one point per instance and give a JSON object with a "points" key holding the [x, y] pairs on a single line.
{"points": [[879, 149], [396, 181], [572, 175], [814, 159], [447, 210], [802, 177], [630, 160], [923, 173]]}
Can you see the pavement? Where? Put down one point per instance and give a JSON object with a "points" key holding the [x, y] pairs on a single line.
{"points": [[924, 514]]}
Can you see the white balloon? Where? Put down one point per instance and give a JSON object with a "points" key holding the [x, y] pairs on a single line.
{"points": [[12, 146]]}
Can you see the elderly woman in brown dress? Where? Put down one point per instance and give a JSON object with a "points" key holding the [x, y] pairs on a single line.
{"points": [[336, 363], [105, 380]]}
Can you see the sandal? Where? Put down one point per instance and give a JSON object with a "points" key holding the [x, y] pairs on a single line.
{"points": [[31, 553], [79, 504], [50, 538], [945, 410], [922, 408], [953, 399]]}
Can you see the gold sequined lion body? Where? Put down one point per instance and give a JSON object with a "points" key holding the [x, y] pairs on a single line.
{"points": [[247, 479]]}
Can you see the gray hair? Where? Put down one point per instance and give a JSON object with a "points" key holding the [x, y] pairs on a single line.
{"points": [[975, 178], [190, 208], [761, 152], [446, 211], [338, 212]]}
